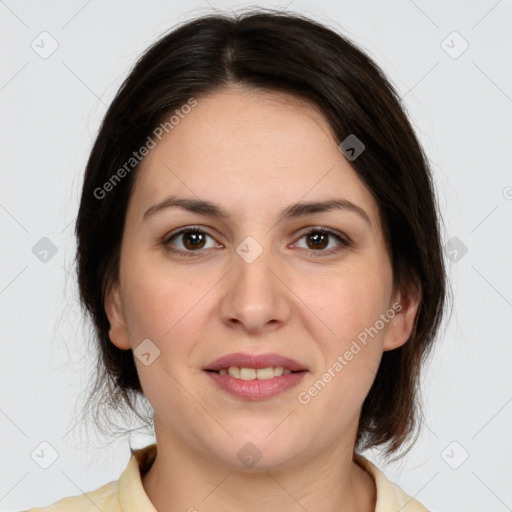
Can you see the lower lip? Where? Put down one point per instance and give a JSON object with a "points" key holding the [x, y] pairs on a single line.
{"points": [[256, 389]]}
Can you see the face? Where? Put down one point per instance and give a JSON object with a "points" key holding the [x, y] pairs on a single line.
{"points": [[262, 280]]}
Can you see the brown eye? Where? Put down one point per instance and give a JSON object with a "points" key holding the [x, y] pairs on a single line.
{"points": [[318, 241], [193, 239], [188, 241]]}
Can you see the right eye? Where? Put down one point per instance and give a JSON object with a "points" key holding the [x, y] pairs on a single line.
{"points": [[192, 238]]}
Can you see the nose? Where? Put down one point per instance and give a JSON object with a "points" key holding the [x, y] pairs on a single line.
{"points": [[255, 296]]}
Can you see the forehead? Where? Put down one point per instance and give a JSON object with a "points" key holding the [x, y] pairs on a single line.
{"points": [[252, 148]]}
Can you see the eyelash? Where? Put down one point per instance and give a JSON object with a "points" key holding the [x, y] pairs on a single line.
{"points": [[196, 229]]}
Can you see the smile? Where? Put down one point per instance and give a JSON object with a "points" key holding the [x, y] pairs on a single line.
{"points": [[255, 384], [254, 373]]}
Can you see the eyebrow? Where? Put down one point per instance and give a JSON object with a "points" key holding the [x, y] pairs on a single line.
{"points": [[295, 210]]}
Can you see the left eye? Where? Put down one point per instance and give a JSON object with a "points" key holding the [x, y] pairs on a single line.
{"points": [[319, 238], [193, 239]]}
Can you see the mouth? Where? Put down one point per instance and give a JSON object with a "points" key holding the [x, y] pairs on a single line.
{"points": [[255, 377], [243, 373], [246, 363]]}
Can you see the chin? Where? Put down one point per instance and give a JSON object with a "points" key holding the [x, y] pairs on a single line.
{"points": [[255, 452]]}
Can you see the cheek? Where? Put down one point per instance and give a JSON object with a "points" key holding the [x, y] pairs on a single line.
{"points": [[348, 302], [351, 356], [153, 304]]}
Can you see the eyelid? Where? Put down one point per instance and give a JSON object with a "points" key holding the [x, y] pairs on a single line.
{"points": [[329, 231], [173, 234]]}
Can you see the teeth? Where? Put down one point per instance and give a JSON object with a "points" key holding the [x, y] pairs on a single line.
{"points": [[278, 370], [234, 371], [264, 373], [252, 373], [247, 373]]}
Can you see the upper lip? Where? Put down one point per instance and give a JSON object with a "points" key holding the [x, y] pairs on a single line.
{"points": [[243, 360]]}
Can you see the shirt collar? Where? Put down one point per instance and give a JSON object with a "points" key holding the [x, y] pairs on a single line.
{"points": [[133, 497]]}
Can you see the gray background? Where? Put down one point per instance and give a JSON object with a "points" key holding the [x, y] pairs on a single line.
{"points": [[51, 107]]}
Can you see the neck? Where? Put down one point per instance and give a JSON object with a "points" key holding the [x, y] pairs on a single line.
{"points": [[185, 479]]}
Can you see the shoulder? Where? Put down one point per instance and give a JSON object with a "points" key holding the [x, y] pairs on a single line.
{"points": [[390, 497], [104, 499], [126, 493]]}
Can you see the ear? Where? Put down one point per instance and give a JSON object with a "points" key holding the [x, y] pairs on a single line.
{"points": [[114, 309], [405, 303]]}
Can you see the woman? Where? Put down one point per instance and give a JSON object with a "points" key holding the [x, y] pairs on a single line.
{"points": [[259, 251]]}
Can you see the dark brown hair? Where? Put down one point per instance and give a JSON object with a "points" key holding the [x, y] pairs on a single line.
{"points": [[274, 51]]}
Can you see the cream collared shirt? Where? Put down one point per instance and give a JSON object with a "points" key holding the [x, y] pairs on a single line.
{"points": [[127, 494]]}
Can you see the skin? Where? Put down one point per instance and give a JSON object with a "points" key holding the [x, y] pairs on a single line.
{"points": [[254, 153]]}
